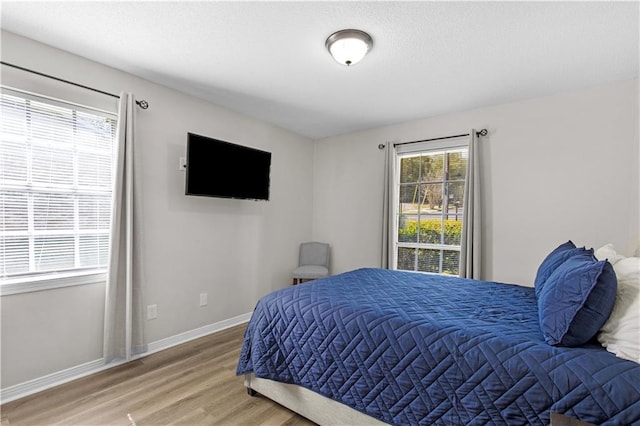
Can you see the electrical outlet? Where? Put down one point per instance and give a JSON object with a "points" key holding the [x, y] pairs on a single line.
{"points": [[203, 299], [152, 312]]}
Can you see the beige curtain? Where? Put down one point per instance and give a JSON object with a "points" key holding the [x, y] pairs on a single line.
{"points": [[470, 251], [123, 334], [386, 258]]}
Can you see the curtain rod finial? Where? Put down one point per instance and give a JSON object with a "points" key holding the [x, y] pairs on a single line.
{"points": [[143, 104]]}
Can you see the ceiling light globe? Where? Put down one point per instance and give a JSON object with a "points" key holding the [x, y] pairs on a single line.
{"points": [[348, 47]]}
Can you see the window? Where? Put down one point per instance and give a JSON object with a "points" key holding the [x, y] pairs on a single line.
{"points": [[429, 196], [55, 186]]}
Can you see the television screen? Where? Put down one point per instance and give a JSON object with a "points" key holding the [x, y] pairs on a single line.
{"points": [[217, 168]]}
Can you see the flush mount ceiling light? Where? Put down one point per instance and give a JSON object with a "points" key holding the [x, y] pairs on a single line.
{"points": [[348, 47]]}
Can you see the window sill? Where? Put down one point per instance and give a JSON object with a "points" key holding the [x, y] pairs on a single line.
{"points": [[31, 284]]}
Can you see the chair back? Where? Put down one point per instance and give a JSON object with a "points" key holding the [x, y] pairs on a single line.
{"points": [[314, 253]]}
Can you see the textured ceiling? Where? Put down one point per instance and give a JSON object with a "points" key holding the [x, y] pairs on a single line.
{"points": [[268, 60]]}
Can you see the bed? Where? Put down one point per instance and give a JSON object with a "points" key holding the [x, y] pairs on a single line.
{"points": [[376, 345]]}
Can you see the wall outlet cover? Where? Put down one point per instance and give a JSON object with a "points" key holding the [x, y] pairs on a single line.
{"points": [[152, 312]]}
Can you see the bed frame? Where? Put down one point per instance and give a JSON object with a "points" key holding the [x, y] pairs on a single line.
{"points": [[322, 410], [315, 407]]}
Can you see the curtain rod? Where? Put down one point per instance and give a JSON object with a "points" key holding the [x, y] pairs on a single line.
{"points": [[482, 132], [142, 104]]}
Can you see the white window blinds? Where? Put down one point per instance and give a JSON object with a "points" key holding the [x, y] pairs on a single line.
{"points": [[55, 185]]}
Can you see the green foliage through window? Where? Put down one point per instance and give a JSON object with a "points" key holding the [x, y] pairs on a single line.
{"points": [[431, 231]]}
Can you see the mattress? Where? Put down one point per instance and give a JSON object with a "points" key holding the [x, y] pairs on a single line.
{"points": [[412, 348]]}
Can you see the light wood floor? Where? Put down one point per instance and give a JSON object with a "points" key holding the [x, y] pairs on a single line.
{"points": [[190, 384]]}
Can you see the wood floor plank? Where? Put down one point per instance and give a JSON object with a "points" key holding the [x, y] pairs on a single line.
{"points": [[197, 417], [70, 393], [190, 384]]}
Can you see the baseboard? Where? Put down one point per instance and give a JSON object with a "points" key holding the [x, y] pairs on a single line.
{"points": [[50, 380], [196, 333], [30, 387]]}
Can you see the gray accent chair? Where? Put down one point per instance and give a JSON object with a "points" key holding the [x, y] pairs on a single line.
{"points": [[313, 262]]}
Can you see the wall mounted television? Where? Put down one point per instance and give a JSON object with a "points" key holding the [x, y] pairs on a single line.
{"points": [[216, 168]]}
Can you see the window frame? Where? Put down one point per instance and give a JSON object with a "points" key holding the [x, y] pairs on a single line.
{"points": [[416, 149], [33, 283], [37, 281]]}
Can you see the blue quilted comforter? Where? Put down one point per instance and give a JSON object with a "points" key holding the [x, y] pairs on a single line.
{"points": [[410, 348]]}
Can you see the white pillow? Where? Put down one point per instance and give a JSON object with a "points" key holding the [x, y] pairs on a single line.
{"points": [[608, 252], [621, 333]]}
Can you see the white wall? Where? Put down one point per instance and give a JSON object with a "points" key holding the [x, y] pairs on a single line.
{"points": [[235, 250], [50, 331], [554, 168]]}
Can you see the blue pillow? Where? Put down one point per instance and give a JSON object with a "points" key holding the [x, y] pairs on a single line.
{"points": [[552, 261], [576, 300]]}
